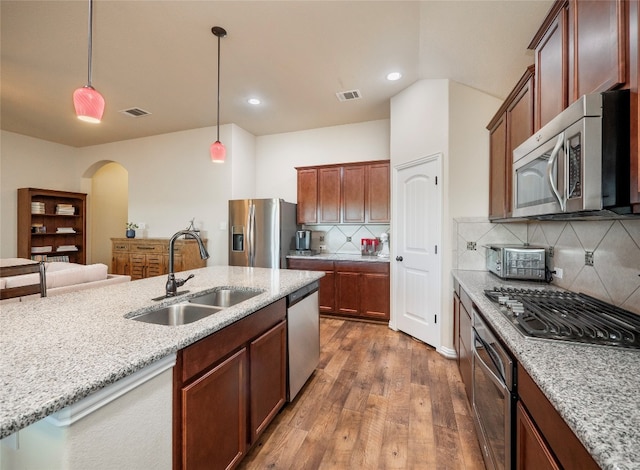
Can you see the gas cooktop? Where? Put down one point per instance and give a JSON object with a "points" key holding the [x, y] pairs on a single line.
{"points": [[567, 316]]}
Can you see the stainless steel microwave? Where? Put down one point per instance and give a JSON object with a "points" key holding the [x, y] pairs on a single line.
{"points": [[578, 163]]}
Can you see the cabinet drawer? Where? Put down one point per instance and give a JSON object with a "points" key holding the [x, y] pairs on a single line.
{"points": [[147, 248], [120, 247], [311, 265], [362, 267]]}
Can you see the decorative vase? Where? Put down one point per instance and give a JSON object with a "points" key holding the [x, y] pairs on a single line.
{"points": [[131, 233]]}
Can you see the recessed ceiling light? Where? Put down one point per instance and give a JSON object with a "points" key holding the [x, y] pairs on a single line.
{"points": [[254, 101], [394, 76]]}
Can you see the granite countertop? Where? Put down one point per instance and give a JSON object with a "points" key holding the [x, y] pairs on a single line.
{"points": [[341, 257], [57, 350], [594, 388]]}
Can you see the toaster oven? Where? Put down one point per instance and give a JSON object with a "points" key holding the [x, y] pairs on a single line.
{"points": [[523, 262]]}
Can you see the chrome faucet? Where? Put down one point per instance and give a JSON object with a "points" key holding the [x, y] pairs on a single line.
{"points": [[172, 282]]}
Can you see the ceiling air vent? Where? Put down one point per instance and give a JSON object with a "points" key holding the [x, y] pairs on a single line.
{"points": [[349, 95], [135, 112]]}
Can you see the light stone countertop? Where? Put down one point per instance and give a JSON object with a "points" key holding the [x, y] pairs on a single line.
{"points": [[341, 257], [594, 388], [57, 350]]}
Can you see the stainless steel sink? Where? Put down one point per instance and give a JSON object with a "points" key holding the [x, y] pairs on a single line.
{"points": [[224, 297], [178, 314]]}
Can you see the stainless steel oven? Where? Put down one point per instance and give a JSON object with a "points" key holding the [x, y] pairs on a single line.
{"points": [[494, 396]]}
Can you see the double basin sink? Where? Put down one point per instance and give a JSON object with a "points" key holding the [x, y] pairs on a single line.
{"points": [[196, 308]]}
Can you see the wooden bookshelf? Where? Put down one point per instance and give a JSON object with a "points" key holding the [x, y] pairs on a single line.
{"points": [[50, 223]]}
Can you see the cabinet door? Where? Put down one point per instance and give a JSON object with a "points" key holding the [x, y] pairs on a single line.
{"points": [[466, 350], [497, 169], [307, 205], [353, 194], [634, 41], [327, 293], [137, 266], [347, 292], [532, 452], [217, 397], [378, 193], [268, 366], [597, 35], [329, 187], [120, 263], [456, 326], [551, 70], [374, 296], [155, 265]]}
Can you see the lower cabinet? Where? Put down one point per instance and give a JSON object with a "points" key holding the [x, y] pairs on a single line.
{"points": [[544, 440], [227, 388], [359, 289], [463, 335]]}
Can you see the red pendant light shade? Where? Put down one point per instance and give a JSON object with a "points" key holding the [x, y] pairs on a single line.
{"points": [[89, 104], [217, 150]]}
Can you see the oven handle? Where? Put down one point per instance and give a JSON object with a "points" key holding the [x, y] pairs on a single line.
{"points": [[553, 161], [497, 381]]}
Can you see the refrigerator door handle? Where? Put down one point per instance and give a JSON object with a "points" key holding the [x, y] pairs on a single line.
{"points": [[251, 233]]}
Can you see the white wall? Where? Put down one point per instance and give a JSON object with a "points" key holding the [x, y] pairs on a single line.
{"points": [[277, 155], [243, 164], [441, 116], [172, 180], [26, 162]]}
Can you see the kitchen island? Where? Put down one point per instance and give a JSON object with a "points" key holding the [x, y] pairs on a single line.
{"points": [[593, 388], [56, 351]]}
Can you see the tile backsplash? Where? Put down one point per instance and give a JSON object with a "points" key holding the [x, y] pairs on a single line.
{"points": [[599, 258], [343, 239]]}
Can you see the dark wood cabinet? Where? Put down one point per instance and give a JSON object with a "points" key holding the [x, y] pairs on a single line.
{"points": [[353, 194], [227, 388], [307, 205], [551, 65], [326, 291], [543, 439], [268, 358], [597, 43], [329, 190], [349, 193], [353, 289], [512, 125], [52, 224], [532, 451], [214, 413], [634, 71], [465, 341]]}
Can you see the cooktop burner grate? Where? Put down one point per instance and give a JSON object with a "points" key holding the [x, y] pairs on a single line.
{"points": [[567, 316]]}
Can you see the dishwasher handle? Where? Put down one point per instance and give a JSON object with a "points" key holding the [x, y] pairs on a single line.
{"points": [[301, 293]]}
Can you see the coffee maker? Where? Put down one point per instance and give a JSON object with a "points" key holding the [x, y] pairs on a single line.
{"points": [[303, 240]]}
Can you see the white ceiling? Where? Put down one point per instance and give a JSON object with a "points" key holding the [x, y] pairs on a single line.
{"points": [[294, 55]]}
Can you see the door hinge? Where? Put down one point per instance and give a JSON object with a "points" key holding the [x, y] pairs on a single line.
{"points": [[436, 181], [435, 318], [436, 249]]}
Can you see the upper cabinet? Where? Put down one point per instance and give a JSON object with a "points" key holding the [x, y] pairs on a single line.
{"points": [[350, 193], [579, 49], [512, 125]]}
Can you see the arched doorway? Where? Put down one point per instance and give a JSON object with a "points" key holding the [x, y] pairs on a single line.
{"points": [[108, 206]]}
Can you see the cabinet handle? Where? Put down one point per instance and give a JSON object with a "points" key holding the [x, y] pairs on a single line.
{"points": [[399, 258]]}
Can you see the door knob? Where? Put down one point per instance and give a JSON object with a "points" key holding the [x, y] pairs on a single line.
{"points": [[399, 258]]}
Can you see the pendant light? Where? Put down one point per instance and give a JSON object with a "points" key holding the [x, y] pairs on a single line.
{"points": [[217, 149], [89, 104]]}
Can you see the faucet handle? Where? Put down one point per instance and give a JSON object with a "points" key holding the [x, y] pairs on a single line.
{"points": [[181, 282]]}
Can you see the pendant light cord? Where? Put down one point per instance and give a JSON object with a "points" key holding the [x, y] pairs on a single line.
{"points": [[218, 116], [90, 42]]}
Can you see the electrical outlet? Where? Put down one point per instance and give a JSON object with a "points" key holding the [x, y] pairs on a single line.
{"points": [[348, 239], [559, 273], [588, 258], [321, 238], [471, 246], [551, 252]]}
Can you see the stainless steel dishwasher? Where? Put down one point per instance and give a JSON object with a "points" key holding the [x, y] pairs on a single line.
{"points": [[303, 337]]}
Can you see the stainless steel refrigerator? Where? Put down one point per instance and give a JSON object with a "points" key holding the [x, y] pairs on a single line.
{"points": [[261, 232]]}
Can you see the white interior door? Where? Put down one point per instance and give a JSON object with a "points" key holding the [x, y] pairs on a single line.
{"points": [[417, 239]]}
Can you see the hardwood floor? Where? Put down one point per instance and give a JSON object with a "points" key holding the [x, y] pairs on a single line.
{"points": [[378, 400]]}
